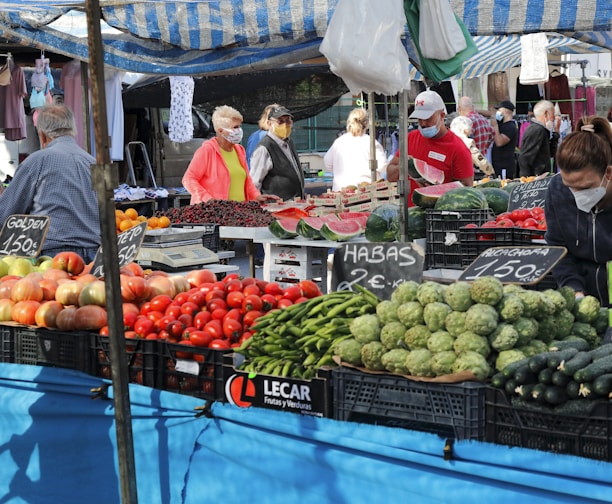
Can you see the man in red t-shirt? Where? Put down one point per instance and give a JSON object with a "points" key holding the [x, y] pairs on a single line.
{"points": [[434, 143]]}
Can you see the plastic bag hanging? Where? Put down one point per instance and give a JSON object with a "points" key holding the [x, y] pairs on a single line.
{"points": [[440, 36], [363, 46]]}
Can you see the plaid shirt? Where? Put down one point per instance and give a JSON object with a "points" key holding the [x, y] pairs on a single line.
{"points": [[482, 132]]}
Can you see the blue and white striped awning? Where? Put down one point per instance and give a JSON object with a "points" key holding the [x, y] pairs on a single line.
{"points": [[213, 37]]}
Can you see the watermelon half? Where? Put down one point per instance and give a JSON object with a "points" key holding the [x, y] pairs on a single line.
{"points": [[383, 223], [426, 197], [420, 169], [360, 217], [310, 227], [341, 231], [283, 228]]}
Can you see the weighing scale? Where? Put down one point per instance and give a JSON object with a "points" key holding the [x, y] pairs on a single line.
{"points": [[174, 249]]}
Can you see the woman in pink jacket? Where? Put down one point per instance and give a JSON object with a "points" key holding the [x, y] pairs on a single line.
{"points": [[218, 169]]}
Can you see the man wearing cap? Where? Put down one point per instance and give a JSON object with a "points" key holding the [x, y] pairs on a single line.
{"points": [[539, 143], [275, 164], [504, 144], [434, 143], [482, 131]]}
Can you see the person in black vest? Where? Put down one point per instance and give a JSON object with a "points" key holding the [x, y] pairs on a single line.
{"points": [[275, 164]]}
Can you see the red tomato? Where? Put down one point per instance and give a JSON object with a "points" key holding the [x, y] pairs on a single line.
{"points": [[200, 338], [235, 299], [130, 335], [155, 315], [503, 215], [529, 223], [252, 289], [219, 313], [219, 344], [173, 310], [301, 300], [215, 294], [181, 297], [233, 285], [46, 313], [537, 212], [231, 276], [143, 326], [206, 287], [184, 355], [162, 322], [273, 288], [245, 336], [104, 331], [234, 313], [505, 223], [248, 281], [269, 302], [252, 302], [190, 308], [541, 224], [152, 336], [520, 214], [216, 303], [89, 318], [214, 328], [198, 297], [283, 303], [128, 320], [175, 329], [185, 318], [71, 262], [232, 329], [145, 308], [197, 278], [292, 292], [201, 319], [160, 302], [489, 224], [309, 288], [471, 225], [250, 317]]}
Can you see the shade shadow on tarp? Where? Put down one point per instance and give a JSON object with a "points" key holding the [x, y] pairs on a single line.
{"points": [[305, 90], [57, 444]]}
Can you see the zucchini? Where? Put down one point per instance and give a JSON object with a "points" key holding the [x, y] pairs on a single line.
{"points": [[580, 407], [601, 351], [510, 369], [560, 379], [545, 376], [510, 386], [573, 389], [537, 392], [524, 391], [586, 391], [558, 357], [498, 380], [594, 369], [578, 361], [578, 343], [555, 395], [602, 385], [524, 375], [539, 361]]}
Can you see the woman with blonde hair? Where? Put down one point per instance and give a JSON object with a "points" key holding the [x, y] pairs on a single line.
{"points": [[349, 156], [462, 127], [578, 208]]}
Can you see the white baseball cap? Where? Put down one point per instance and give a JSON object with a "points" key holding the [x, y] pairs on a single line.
{"points": [[426, 104]]}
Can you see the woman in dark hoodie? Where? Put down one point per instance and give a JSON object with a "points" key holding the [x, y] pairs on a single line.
{"points": [[578, 208]]}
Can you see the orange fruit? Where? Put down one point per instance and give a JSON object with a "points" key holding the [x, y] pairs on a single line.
{"points": [[153, 222], [164, 222], [131, 213], [125, 225]]}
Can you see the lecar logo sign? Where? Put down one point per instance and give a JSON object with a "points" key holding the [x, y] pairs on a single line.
{"points": [[240, 391]]}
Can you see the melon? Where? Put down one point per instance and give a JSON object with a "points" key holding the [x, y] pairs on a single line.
{"points": [[426, 197], [420, 169], [511, 185], [310, 227], [416, 223], [341, 231], [283, 228], [491, 183], [383, 223], [462, 198], [361, 217], [497, 199]]}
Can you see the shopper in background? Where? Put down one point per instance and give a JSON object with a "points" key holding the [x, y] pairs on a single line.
{"points": [[349, 156], [275, 163], [505, 131], [462, 127], [539, 143], [434, 143], [218, 169], [578, 208], [482, 131], [256, 136], [56, 181]]}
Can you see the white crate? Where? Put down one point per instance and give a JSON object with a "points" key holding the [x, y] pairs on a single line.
{"points": [[299, 271]]}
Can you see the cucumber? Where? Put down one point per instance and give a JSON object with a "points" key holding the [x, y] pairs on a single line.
{"points": [[586, 391], [577, 343], [576, 406], [524, 391], [510, 386], [498, 380], [556, 358], [578, 361], [594, 369], [602, 385], [537, 392], [524, 375], [560, 379], [601, 351], [573, 389], [510, 369], [539, 361], [555, 395], [545, 376]]}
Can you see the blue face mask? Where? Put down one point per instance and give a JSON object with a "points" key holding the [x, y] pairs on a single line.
{"points": [[499, 116], [430, 131]]}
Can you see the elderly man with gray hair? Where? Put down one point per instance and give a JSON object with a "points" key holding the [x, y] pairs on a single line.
{"points": [[539, 144], [482, 131]]}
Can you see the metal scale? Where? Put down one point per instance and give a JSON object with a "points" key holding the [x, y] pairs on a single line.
{"points": [[174, 249]]}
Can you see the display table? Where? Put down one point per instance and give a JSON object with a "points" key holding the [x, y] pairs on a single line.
{"points": [[248, 234]]}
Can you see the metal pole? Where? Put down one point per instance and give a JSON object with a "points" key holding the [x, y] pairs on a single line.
{"points": [[371, 111], [403, 184], [105, 179]]}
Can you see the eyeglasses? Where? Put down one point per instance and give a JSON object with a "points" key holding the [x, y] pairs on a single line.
{"points": [[288, 120]]}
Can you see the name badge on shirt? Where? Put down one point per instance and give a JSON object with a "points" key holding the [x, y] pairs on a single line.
{"points": [[437, 156]]}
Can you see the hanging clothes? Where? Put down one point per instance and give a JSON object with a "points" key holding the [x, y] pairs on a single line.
{"points": [[180, 123], [584, 103], [70, 82], [557, 91], [114, 113], [526, 95], [12, 109], [497, 88], [39, 83]]}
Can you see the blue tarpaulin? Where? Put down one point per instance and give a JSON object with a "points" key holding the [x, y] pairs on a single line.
{"points": [[212, 37], [57, 444]]}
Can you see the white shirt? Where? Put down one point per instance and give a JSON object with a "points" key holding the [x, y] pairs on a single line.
{"points": [[349, 160]]}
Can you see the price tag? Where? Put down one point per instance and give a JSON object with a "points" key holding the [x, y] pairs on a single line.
{"points": [[521, 265], [128, 245], [23, 235], [529, 194], [379, 267]]}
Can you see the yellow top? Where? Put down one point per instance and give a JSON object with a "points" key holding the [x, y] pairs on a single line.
{"points": [[237, 175]]}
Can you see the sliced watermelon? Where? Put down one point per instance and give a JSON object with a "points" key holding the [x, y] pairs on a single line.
{"points": [[283, 228], [310, 227], [341, 231], [426, 197], [420, 169], [360, 217], [383, 223]]}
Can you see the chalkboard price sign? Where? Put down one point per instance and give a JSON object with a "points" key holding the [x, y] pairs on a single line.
{"points": [[379, 267], [23, 235], [520, 265], [529, 194], [128, 245]]}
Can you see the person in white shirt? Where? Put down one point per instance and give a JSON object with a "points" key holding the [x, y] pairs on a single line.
{"points": [[349, 156]]}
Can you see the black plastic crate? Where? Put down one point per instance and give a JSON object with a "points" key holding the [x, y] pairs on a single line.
{"points": [[448, 409], [474, 241], [587, 434], [443, 245], [526, 236], [50, 347], [190, 370], [210, 239], [7, 344], [142, 359]]}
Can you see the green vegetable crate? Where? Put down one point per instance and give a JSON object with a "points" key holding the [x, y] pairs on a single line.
{"points": [[585, 432], [448, 409]]}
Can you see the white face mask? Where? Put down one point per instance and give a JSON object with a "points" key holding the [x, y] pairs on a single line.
{"points": [[232, 135], [586, 199], [550, 125]]}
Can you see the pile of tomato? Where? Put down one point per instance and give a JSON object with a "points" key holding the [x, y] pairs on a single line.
{"points": [[524, 218], [213, 313]]}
